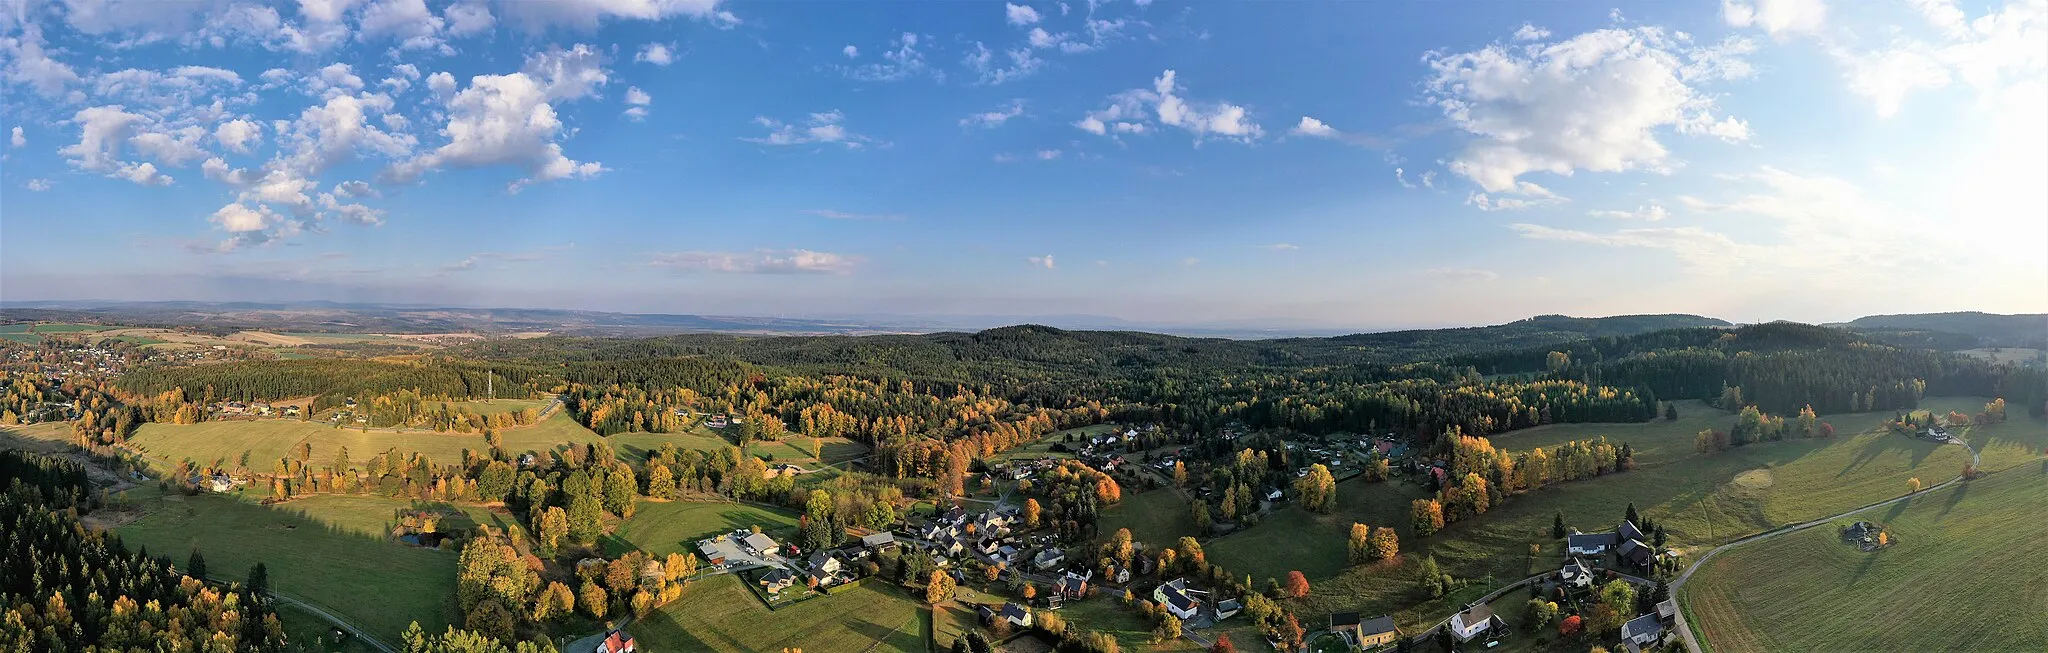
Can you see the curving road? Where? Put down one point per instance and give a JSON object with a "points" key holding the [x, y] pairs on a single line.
{"points": [[1692, 644]]}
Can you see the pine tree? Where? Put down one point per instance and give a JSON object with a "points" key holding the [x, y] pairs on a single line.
{"points": [[195, 566], [1557, 530]]}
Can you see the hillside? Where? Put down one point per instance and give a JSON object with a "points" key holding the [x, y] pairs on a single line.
{"points": [[1985, 329]]}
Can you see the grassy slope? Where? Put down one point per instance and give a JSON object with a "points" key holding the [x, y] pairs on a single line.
{"points": [[1159, 516], [270, 439], [1965, 575], [379, 584], [662, 528], [1692, 495], [717, 614]]}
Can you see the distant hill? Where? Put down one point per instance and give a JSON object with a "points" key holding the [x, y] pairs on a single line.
{"points": [[1941, 330]]}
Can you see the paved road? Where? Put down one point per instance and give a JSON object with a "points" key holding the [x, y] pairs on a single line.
{"points": [[337, 620], [1692, 644]]}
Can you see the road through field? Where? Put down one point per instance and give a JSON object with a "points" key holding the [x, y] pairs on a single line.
{"points": [[1692, 644]]}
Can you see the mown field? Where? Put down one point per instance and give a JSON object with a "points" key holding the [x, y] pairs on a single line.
{"points": [[27, 333], [381, 585], [267, 440], [1966, 574], [717, 614], [1160, 516], [664, 527], [1702, 500]]}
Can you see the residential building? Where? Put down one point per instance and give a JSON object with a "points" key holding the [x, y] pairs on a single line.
{"points": [[1017, 615], [616, 641], [1175, 596], [1472, 622], [1589, 544], [1575, 573], [1377, 631], [1641, 632]]}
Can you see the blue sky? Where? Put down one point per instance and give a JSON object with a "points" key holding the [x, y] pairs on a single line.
{"points": [[1336, 164]]}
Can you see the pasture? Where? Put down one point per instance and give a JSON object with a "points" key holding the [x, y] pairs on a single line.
{"points": [[381, 585], [664, 527], [717, 614], [1702, 500], [30, 333], [267, 440], [1978, 546], [1159, 516]]}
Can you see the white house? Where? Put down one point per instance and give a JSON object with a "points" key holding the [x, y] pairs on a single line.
{"points": [[1471, 623], [1177, 598]]}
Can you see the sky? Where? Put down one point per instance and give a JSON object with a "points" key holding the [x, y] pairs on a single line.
{"points": [[1326, 164]]}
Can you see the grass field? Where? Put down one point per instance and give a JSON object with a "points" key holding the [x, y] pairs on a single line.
{"points": [[1966, 574], [717, 614], [662, 528], [374, 516], [267, 440], [1159, 516], [1043, 447], [1701, 499], [26, 333], [313, 633], [381, 585]]}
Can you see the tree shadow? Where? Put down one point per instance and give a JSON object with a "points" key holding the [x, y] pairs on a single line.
{"points": [[1956, 497]]}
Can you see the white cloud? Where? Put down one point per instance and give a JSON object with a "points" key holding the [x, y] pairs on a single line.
{"points": [[466, 18], [1048, 155], [1040, 261], [17, 139], [995, 118], [851, 52], [1530, 32], [1775, 16], [1313, 128], [1402, 176], [638, 100], [409, 22], [1531, 196], [901, 61], [822, 127], [1191, 261], [1595, 102], [760, 261], [1650, 212], [658, 54], [174, 147], [1021, 63], [1279, 247], [237, 218], [101, 132], [539, 16], [37, 185], [1131, 111], [442, 84], [1021, 14], [1997, 52]]}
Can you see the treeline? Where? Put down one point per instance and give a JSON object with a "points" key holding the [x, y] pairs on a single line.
{"points": [[1479, 477], [437, 378], [70, 588]]}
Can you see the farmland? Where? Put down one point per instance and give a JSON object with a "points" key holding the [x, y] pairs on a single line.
{"points": [[1978, 545], [717, 614], [377, 583], [29, 333], [270, 439], [1701, 499], [664, 527]]}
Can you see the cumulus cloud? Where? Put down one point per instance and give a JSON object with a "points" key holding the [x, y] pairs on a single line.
{"points": [[821, 127], [510, 119], [1775, 16], [17, 139], [29, 65], [637, 101], [760, 261], [1016, 63], [1134, 112], [37, 185], [1596, 102], [1526, 196], [1650, 212], [851, 52], [588, 14], [1313, 128], [1020, 14], [1530, 32], [1995, 53], [996, 117], [466, 18], [659, 54], [409, 22], [1040, 261], [102, 131]]}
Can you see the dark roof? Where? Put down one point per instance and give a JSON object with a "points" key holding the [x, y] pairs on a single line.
{"points": [[1376, 625], [1628, 530], [1589, 540], [1643, 625], [1179, 599], [1636, 551], [1013, 611], [1342, 619]]}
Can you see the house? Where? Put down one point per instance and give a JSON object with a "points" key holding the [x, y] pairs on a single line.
{"points": [[823, 564], [1576, 574], [1628, 531], [879, 541], [1472, 622], [1589, 545], [526, 460], [1073, 585], [616, 641], [1667, 612], [760, 543], [1175, 596], [1640, 632], [1048, 558], [1636, 552], [1228, 608], [776, 580], [1377, 631], [1016, 615], [1274, 494], [1119, 574], [716, 421], [221, 483]]}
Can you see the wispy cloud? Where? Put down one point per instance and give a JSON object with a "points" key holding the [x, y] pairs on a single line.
{"points": [[1461, 274], [1279, 247], [996, 117], [830, 214], [1040, 261], [760, 261], [472, 261], [821, 127]]}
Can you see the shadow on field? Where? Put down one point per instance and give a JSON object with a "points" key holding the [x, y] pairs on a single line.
{"points": [[868, 629], [1954, 498], [660, 629]]}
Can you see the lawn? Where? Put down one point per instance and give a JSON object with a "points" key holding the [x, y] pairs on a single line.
{"points": [[1965, 574], [664, 527], [1132, 631], [381, 585], [1159, 516], [267, 440], [494, 406], [374, 516], [1701, 499], [717, 614]]}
